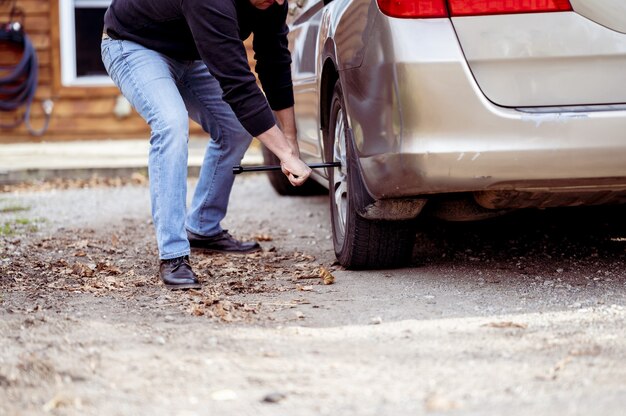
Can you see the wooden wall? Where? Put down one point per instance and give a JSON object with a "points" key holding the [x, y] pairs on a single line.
{"points": [[80, 113]]}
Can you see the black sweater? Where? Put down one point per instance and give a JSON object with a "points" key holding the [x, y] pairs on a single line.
{"points": [[214, 30]]}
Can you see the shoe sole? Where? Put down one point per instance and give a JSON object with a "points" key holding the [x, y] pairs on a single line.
{"points": [[210, 250], [184, 287]]}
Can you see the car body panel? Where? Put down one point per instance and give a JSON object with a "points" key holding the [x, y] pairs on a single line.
{"points": [[304, 38], [609, 13], [544, 59], [422, 124], [350, 23]]}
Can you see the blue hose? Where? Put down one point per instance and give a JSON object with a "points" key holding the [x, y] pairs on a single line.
{"points": [[18, 88]]}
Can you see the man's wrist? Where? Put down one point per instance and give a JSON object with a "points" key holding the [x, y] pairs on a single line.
{"points": [[279, 144]]}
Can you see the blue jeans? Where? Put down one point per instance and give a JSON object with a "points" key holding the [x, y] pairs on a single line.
{"points": [[166, 93]]}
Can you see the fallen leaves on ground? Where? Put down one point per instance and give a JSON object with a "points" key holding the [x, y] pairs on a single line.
{"points": [[124, 263], [136, 178]]}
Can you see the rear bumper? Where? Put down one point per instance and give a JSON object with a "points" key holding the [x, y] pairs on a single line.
{"points": [[432, 130]]}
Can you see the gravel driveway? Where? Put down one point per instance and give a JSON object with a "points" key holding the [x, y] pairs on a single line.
{"points": [[519, 315]]}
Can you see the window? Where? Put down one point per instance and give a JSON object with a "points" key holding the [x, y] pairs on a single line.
{"points": [[81, 33]]}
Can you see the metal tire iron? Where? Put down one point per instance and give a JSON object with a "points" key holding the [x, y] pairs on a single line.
{"points": [[262, 168]]}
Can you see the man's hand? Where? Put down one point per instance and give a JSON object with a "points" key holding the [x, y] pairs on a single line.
{"points": [[287, 151], [296, 171]]}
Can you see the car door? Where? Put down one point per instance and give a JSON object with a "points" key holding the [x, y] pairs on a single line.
{"points": [[303, 42]]}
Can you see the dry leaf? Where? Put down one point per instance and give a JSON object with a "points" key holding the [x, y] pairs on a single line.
{"points": [[61, 400], [79, 269], [60, 263], [106, 267], [438, 403], [326, 276], [138, 178], [196, 310], [222, 312], [274, 398], [506, 324], [591, 351], [80, 244]]}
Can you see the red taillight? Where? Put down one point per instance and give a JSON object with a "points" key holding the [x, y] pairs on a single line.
{"points": [[437, 8], [482, 7], [413, 8]]}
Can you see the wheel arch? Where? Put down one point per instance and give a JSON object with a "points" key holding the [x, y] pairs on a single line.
{"points": [[330, 76]]}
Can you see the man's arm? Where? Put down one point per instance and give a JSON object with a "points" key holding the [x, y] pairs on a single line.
{"points": [[272, 55], [215, 30], [214, 27], [287, 123], [274, 69]]}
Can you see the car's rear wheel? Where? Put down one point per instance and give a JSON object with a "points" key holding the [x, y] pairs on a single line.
{"points": [[281, 184], [359, 242]]}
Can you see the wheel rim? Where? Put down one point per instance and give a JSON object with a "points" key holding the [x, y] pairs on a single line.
{"points": [[340, 177]]}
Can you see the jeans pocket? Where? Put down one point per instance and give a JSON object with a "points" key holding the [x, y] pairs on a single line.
{"points": [[128, 47]]}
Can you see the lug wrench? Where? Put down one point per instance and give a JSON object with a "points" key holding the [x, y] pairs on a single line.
{"points": [[260, 168]]}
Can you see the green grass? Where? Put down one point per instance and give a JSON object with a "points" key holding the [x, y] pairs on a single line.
{"points": [[13, 208], [19, 226], [6, 229]]}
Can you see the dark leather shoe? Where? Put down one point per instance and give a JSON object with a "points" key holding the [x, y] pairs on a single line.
{"points": [[176, 274], [221, 243]]}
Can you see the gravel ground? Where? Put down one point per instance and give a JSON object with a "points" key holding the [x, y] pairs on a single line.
{"points": [[523, 314]]}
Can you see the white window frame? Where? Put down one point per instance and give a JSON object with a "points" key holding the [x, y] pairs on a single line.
{"points": [[69, 78]]}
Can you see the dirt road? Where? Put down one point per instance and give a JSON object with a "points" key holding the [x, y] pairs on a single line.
{"points": [[520, 315]]}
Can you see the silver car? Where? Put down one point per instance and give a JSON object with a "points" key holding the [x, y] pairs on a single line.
{"points": [[461, 109]]}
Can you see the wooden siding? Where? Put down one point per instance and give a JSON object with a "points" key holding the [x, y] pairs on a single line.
{"points": [[80, 113]]}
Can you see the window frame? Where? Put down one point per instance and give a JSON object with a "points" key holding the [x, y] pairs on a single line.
{"points": [[67, 38]]}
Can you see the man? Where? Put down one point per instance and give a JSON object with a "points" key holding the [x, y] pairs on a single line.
{"points": [[176, 59]]}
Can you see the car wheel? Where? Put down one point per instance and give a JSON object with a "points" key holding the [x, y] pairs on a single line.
{"points": [[281, 184], [360, 243]]}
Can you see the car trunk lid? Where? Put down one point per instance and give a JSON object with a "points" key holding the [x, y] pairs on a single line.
{"points": [[609, 13], [536, 59]]}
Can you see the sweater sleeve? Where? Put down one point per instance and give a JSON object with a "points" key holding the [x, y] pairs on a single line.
{"points": [[273, 58], [215, 30]]}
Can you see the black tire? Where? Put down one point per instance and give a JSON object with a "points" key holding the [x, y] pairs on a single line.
{"points": [[281, 184], [359, 243]]}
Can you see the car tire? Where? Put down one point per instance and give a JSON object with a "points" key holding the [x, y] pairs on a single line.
{"points": [[359, 243], [281, 184]]}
